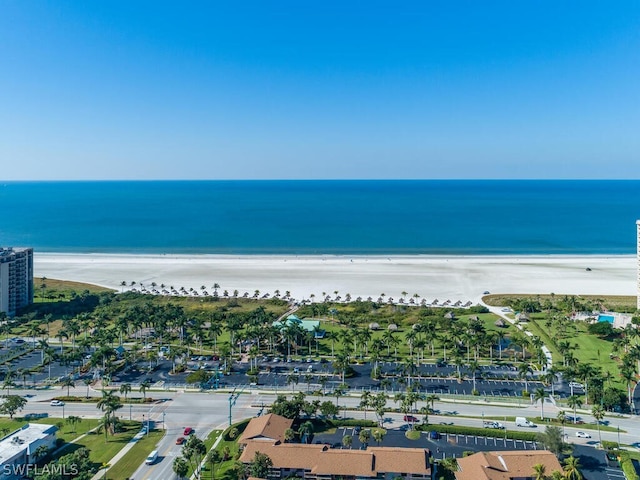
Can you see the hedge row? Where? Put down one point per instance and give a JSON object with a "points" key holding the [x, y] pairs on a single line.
{"points": [[351, 422], [627, 466], [480, 432]]}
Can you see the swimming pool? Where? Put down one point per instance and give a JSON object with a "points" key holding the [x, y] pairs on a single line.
{"points": [[606, 318]]}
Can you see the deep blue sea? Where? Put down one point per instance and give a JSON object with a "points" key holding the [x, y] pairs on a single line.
{"points": [[501, 217]]}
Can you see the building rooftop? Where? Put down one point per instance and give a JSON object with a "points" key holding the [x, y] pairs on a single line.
{"points": [[322, 460], [505, 465], [270, 427], [20, 439]]}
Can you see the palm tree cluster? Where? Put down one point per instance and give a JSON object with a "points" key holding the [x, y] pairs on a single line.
{"points": [[109, 404]]}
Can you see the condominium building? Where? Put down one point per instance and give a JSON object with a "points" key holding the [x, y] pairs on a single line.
{"points": [[319, 462], [638, 264], [16, 279]]}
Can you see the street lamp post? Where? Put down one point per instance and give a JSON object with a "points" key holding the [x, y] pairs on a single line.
{"points": [[63, 410], [129, 412], [163, 420], [232, 401]]}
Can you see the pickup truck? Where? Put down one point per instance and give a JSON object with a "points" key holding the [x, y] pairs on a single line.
{"points": [[493, 425]]}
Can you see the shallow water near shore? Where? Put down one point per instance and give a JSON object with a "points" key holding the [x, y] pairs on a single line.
{"points": [[323, 217]]}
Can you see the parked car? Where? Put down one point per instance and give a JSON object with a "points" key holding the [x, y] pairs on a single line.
{"points": [[576, 385], [433, 435], [57, 403], [187, 431], [582, 435]]}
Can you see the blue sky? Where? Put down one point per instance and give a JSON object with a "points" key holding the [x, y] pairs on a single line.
{"points": [[303, 89]]}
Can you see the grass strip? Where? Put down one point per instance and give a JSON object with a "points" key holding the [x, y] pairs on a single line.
{"points": [[102, 450], [134, 457]]}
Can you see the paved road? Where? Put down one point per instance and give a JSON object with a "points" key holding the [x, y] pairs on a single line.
{"points": [[206, 411]]}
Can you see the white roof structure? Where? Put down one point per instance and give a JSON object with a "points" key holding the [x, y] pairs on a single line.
{"points": [[23, 439]]}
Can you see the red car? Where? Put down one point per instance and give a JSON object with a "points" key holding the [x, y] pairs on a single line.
{"points": [[180, 441], [410, 418], [187, 431]]}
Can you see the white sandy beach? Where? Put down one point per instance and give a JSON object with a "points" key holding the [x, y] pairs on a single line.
{"points": [[431, 277]]}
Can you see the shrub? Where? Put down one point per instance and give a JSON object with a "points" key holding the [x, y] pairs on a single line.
{"points": [[481, 432], [351, 422]]}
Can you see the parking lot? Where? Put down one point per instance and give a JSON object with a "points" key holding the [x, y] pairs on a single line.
{"points": [[277, 372], [447, 445]]}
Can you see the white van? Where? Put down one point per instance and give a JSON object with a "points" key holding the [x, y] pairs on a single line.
{"points": [[523, 422], [153, 456]]}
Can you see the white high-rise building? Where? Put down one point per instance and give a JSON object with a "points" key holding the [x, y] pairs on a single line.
{"points": [[16, 279], [638, 264]]}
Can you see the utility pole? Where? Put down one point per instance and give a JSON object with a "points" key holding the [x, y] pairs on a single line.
{"points": [[232, 401]]}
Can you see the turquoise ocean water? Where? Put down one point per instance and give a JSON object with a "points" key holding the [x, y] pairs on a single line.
{"points": [[323, 217]]}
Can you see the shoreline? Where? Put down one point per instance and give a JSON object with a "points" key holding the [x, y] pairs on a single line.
{"points": [[444, 277]]}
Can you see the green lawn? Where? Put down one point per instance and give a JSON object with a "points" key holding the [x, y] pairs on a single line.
{"points": [[134, 457], [589, 349], [67, 432], [101, 450], [223, 469]]}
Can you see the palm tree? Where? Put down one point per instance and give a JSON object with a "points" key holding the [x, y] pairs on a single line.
{"points": [[540, 395], [571, 469], [73, 421], [562, 418], [539, 472], [289, 434], [8, 381], [524, 369], [629, 375], [144, 386], [575, 402], [378, 435], [365, 402], [364, 436], [550, 378], [347, 441], [125, 389], [68, 382], [109, 403], [103, 425], [87, 382], [474, 366], [431, 399], [598, 414], [306, 429]]}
